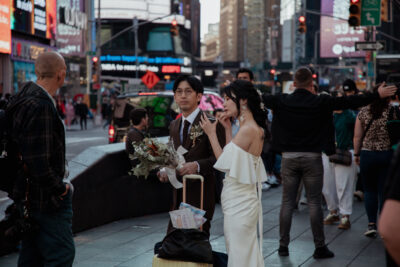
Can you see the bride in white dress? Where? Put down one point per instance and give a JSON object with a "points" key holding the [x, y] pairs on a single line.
{"points": [[244, 172]]}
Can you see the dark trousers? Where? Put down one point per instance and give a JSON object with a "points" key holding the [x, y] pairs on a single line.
{"points": [[54, 244], [373, 169], [310, 171], [83, 121]]}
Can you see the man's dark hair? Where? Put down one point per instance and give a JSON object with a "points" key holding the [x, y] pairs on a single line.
{"points": [[242, 70], [195, 83], [303, 77], [136, 115], [349, 86]]}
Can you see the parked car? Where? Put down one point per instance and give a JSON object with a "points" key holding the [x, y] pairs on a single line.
{"points": [[161, 108]]}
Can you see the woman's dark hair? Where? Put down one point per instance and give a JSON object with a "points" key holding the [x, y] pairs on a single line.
{"points": [[241, 89], [192, 81], [379, 105], [136, 115]]}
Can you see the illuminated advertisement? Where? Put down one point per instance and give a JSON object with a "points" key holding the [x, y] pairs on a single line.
{"points": [[337, 37], [51, 19], [5, 29], [36, 17], [71, 26]]}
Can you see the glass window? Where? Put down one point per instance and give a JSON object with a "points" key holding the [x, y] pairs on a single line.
{"points": [[160, 40]]}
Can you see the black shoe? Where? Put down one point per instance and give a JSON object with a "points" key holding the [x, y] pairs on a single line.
{"points": [[371, 232], [323, 253], [283, 251]]}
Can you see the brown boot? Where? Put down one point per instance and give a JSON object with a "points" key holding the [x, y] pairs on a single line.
{"points": [[331, 218], [344, 223]]}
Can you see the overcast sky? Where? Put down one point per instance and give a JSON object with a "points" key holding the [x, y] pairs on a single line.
{"points": [[209, 14]]}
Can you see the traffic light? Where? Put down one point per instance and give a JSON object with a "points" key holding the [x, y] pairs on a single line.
{"points": [[95, 66], [355, 13], [302, 24], [272, 73], [174, 28], [384, 10]]}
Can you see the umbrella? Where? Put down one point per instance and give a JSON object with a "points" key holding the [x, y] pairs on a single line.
{"points": [[211, 102]]}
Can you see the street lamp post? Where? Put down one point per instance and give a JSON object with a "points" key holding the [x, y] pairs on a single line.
{"points": [[135, 30]]}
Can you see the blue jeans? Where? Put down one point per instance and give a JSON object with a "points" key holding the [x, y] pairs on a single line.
{"points": [[373, 170], [54, 244]]}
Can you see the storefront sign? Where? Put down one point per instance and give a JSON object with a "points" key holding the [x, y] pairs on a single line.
{"points": [[39, 23], [171, 69], [143, 59], [5, 29], [128, 67], [71, 27], [73, 18], [26, 51]]}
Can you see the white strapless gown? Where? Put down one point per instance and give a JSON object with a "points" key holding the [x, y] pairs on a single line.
{"points": [[241, 205]]}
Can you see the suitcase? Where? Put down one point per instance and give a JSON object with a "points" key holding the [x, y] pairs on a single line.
{"points": [[159, 262]]}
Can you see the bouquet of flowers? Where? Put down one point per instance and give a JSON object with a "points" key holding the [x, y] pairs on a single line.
{"points": [[153, 154]]}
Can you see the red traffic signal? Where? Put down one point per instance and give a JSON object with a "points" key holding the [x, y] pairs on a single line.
{"points": [[272, 71], [174, 28], [95, 59], [302, 24], [355, 13], [314, 76]]}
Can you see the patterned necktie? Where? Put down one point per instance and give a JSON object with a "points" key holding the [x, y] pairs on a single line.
{"points": [[185, 131]]}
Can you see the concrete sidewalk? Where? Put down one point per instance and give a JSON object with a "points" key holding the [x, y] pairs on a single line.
{"points": [[130, 242]]}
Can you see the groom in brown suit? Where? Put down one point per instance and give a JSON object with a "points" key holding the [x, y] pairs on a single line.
{"points": [[199, 157]]}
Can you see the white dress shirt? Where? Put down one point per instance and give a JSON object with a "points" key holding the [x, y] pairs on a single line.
{"points": [[190, 119]]}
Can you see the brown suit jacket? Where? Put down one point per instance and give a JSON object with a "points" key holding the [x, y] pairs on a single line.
{"points": [[201, 152]]}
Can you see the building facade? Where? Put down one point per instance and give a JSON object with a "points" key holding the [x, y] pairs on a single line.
{"points": [[211, 43]]}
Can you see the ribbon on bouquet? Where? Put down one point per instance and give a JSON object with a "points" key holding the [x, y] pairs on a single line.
{"points": [[171, 172]]}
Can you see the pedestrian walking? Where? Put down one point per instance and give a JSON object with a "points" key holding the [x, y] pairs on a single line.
{"points": [[339, 178], [70, 113], [39, 133], [82, 110], [372, 151], [300, 126]]}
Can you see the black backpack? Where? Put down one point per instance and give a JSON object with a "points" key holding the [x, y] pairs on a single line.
{"points": [[11, 166]]}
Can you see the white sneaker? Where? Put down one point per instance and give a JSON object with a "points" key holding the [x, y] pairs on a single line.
{"points": [[272, 179], [265, 186]]}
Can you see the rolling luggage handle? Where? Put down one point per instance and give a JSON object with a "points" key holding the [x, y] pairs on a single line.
{"points": [[194, 177]]}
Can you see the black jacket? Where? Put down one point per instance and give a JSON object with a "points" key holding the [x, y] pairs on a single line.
{"points": [[40, 135], [303, 122]]}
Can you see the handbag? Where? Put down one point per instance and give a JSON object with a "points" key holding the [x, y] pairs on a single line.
{"points": [[342, 157], [186, 245]]}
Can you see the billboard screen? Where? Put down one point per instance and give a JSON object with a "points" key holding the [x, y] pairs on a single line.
{"points": [[337, 38], [71, 27], [36, 17], [5, 29]]}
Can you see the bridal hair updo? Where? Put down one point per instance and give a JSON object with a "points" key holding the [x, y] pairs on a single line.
{"points": [[241, 89]]}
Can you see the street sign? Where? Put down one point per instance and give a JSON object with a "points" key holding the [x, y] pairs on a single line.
{"points": [[371, 13], [370, 46], [150, 79]]}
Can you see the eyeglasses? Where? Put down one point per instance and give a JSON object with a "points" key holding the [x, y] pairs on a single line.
{"points": [[187, 92]]}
